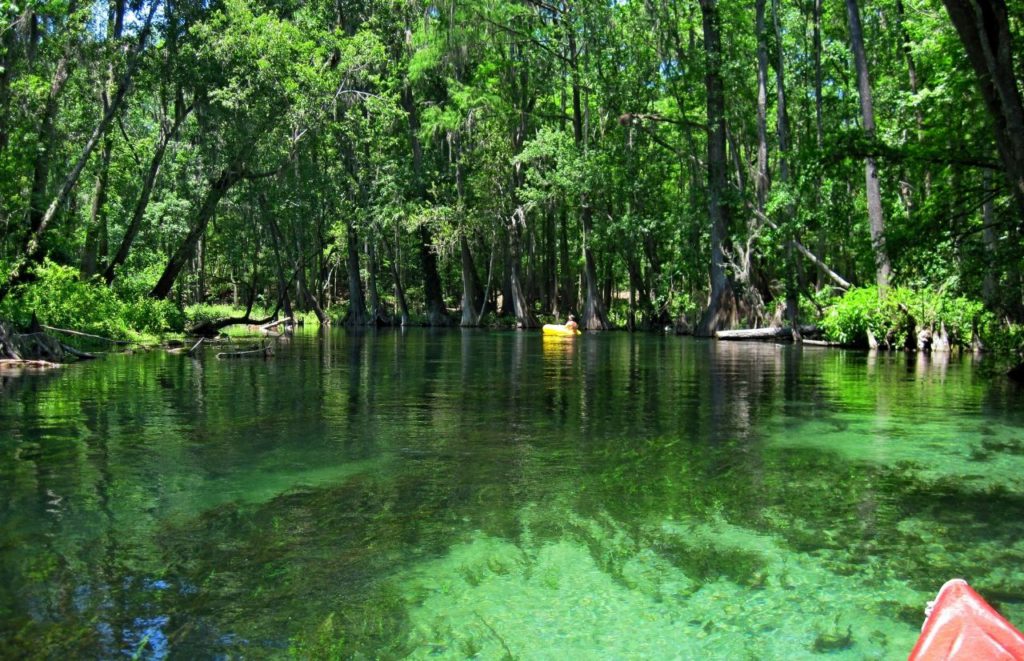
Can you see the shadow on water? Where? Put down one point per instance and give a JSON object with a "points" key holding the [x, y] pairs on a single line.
{"points": [[459, 493]]}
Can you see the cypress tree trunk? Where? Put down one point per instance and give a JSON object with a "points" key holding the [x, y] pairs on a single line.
{"points": [[761, 183], [396, 276], [472, 293], [520, 306], [357, 302], [594, 316], [819, 129], [567, 298], [437, 315], [550, 275], [782, 130], [876, 219], [721, 311], [376, 313], [515, 290], [403, 306]]}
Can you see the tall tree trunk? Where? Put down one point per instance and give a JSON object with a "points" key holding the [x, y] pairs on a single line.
{"points": [[218, 189], [594, 316], [908, 55], [486, 300], [639, 294], [721, 311], [472, 295], [984, 29], [876, 219], [782, 130], [549, 295], [520, 306], [97, 214], [376, 313], [312, 299], [396, 275], [819, 130], [761, 183], [96, 232], [356, 301], [148, 182], [991, 243], [282, 282], [524, 103], [567, 297], [437, 314], [299, 264], [816, 18], [47, 138]]}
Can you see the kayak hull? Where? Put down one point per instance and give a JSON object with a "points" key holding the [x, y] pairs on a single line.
{"points": [[962, 626], [560, 330]]}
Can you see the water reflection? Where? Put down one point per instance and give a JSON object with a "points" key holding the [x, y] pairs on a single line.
{"points": [[351, 495]]}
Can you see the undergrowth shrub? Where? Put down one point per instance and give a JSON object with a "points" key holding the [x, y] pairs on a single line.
{"points": [[892, 318], [59, 298]]}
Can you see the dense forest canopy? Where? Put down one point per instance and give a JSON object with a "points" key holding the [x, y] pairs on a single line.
{"points": [[636, 163]]}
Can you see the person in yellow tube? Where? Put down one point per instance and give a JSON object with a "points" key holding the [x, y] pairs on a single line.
{"points": [[571, 323]]}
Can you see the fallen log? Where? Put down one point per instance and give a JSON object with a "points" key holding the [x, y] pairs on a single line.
{"points": [[755, 334], [772, 333], [262, 352], [826, 343], [274, 324], [81, 334], [10, 363]]}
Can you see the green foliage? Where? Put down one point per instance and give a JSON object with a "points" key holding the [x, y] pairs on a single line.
{"points": [[59, 297], [390, 125], [890, 318]]}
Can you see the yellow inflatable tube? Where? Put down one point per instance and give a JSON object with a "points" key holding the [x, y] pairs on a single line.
{"points": [[560, 330]]}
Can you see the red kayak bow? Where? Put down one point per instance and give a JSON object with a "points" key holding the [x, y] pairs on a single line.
{"points": [[961, 626]]}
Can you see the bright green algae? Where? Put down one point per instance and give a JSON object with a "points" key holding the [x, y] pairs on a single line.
{"points": [[454, 495]]}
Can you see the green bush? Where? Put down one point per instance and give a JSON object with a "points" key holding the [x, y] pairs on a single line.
{"points": [[892, 317], [59, 298]]}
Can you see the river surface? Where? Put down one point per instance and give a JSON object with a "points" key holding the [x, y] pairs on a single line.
{"points": [[490, 495]]}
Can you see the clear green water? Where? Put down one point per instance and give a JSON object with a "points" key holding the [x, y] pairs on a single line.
{"points": [[469, 494]]}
